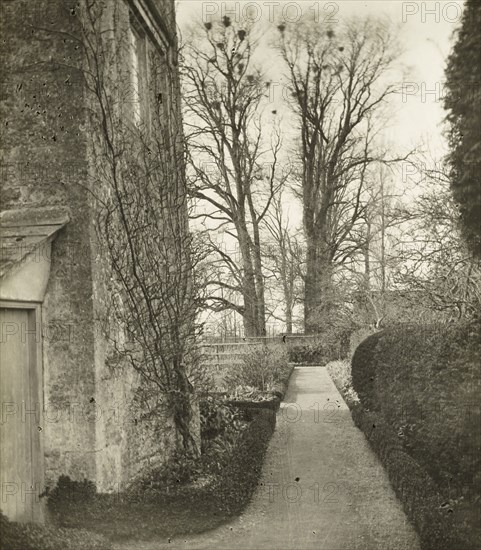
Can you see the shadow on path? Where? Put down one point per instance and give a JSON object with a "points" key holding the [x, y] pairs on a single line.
{"points": [[321, 488]]}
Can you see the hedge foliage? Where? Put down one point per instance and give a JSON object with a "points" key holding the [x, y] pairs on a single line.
{"points": [[462, 100], [263, 367], [419, 389], [188, 495], [440, 523], [357, 336], [363, 371], [327, 347], [29, 536], [240, 476]]}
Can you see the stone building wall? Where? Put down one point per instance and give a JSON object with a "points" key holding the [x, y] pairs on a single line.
{"points": [[93, 426], [45, 165], [129, 440]]}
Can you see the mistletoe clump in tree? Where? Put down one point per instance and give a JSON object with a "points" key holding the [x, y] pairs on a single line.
{"points": [[233, 160], [340, 83]]}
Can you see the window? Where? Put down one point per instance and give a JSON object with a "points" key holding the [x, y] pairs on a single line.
{"points": [[138, 73]]}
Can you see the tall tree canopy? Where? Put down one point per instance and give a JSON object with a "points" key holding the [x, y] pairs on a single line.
{"points": [[339, 82], [234, 157]]}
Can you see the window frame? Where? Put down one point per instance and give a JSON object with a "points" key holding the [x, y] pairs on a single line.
{"points": [[139, 73]]}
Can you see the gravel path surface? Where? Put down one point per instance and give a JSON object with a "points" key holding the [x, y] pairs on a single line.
{"points": [[322, 487]]}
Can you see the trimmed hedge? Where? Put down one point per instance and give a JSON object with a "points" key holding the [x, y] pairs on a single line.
{"points": [[270, 404], [440, 527], [30, 536], [419, 389], [363, 371], [240, 477], [357, 336], [426, 383], [315, 353], [280, 387]]}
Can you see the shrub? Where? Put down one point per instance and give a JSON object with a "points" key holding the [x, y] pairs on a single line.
{"points": [[68, 490], [220, 424], [263, 367], [67, 494], [423, 384], [240, 476], [233, 466], [363, 370], [29, 536], [329, 346], [340, 372], [358, 336]]}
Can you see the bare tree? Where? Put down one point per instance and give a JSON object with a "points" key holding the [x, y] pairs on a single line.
{"points": [[284, 253], [385, 213], [434, 260], [234, 162], [339, 83]]}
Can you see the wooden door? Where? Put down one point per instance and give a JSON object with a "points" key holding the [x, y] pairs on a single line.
{"points": [[21, 450]]}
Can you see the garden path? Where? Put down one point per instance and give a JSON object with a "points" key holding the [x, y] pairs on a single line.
{"points": [[322, 487]]}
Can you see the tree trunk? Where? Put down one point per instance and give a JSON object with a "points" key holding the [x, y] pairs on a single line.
{"points": [[254, 315], [367, 258], [318, 287], [289, 320], [259, 278], [250, 311], [383, 240], [261, 308]]}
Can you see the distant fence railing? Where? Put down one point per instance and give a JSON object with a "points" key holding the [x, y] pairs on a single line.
{"points": [[260, 339], [225, 353], [229, 354]]}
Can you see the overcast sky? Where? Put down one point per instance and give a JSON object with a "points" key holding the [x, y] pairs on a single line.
{"points": [[426, 33], [426, 30]]}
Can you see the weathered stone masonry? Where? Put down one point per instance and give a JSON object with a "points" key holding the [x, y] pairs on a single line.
{"points": [[92, 427]]}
